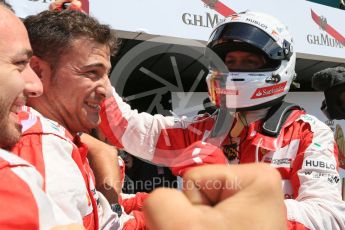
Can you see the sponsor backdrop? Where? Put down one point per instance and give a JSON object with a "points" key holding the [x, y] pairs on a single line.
{"points": [[317, 29], [317, 33]]}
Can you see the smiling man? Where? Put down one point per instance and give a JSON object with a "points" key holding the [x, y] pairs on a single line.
{"points": [[23, 203], [15, 53], [72, 59]]}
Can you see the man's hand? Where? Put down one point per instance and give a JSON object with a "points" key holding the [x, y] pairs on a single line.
{"points": [[220, 197], [197, 154]]}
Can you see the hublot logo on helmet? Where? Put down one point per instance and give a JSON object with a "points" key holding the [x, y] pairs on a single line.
{"points": [[263, 26]]}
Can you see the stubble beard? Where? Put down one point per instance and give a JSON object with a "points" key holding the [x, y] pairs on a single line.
{"points": [[9, 132]]}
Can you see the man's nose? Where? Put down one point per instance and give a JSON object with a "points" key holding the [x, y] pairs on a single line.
{"points": [[33, 85], [234, 65], [102, 85]]}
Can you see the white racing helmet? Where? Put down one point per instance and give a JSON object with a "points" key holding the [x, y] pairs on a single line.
{"points": [[258, 33]]}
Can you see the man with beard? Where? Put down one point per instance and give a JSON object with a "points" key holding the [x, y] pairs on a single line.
{"points": [[23, 203]]}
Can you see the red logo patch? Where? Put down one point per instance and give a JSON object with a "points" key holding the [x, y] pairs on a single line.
{"points": [[269, 91], [322, 22], [274, 33], [220, 7]]}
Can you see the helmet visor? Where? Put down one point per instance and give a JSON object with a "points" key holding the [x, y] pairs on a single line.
{"points": [[238, 31]]}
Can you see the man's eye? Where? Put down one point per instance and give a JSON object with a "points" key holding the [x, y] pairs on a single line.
{"points": [[91, 73], [21, 63]]}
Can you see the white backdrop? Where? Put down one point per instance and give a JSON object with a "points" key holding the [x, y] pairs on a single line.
{"points": [[192, 19]]}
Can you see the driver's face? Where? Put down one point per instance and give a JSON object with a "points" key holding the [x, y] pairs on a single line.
{"points": [[242, 60]]}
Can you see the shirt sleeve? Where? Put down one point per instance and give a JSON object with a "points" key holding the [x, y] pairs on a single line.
{"points": [[23, 203], [150, 137]]}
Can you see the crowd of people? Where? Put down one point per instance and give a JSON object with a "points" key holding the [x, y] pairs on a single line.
{"points": [[254, 162]]}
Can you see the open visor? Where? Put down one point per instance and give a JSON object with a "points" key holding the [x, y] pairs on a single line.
{"points": [[239, 31]]}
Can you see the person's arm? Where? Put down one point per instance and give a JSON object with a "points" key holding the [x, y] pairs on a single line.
{"points": [[104, 163], [152, 137], [220, 197], [315, 180]]}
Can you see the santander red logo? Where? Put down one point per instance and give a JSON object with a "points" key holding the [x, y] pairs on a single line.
{"points": [[269, 91]]}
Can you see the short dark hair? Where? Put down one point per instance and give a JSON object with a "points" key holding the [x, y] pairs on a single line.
{"points": [[51, 33]]}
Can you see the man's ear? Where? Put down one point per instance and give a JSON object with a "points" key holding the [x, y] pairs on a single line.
{"points": [[41, 68]]}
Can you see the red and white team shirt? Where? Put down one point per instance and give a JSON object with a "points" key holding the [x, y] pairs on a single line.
{"points": [[68, 178], [304, 152], [23, 203]]}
